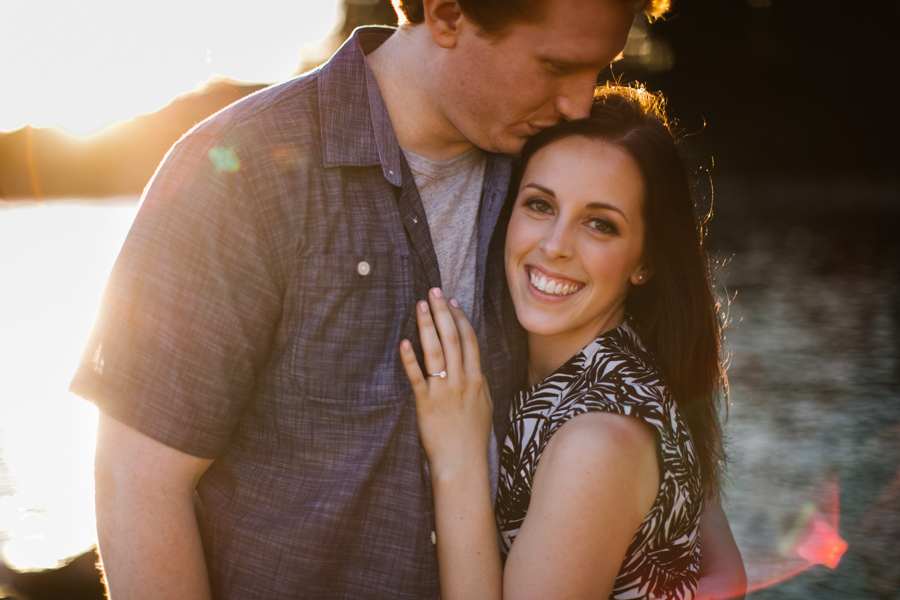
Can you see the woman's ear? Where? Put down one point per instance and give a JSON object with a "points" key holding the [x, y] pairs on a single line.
{"points": [[642, 275], [442, 18]]}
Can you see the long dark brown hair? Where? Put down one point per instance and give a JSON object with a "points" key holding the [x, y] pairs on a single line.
{"points": [[676, 311]]}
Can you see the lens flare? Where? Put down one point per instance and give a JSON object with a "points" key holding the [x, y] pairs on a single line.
{"points": [[224, 159], [814, 538], [822, 544], [818, 541], [811, 539]]}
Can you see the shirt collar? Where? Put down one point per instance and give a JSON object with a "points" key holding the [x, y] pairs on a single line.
{"points": [[356, 128]]}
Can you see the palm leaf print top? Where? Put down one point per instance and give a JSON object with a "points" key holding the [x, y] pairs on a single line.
{"points": [[615, 374]]}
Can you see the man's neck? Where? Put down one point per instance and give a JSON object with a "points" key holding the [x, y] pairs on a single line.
{"points": [[406, 68]]}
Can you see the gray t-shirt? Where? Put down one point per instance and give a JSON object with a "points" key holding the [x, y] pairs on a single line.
{"points": [[451, 194]]}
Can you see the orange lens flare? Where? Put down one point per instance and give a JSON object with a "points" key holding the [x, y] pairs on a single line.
{"points": [[812, 539], [821, 544], [814, 535]]}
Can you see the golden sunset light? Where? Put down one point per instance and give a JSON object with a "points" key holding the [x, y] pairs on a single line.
{"points": [[84, 65]]}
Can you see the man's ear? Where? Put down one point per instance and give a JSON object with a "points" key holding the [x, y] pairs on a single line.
{"points": [[443, 18]]}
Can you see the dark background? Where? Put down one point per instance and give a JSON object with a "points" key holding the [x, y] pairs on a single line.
{"points": [[780, 87], [796, 88]]}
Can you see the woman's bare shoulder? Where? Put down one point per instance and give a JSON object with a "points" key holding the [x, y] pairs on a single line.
{"points": [[596, 438]]}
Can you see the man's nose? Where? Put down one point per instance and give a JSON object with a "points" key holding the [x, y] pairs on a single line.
{"points": [[576, 97]]}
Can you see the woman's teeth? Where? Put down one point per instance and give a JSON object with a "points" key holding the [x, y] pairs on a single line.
{"points": [[549, 286]]}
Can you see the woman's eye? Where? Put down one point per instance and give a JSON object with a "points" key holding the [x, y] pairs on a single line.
{"points": [[536, 204], [602, 225]]}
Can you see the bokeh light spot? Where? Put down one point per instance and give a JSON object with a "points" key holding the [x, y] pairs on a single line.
{"points": [[224, 159]]}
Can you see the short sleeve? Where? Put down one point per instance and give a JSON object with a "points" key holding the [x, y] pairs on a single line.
{"points": [[188, 314]]}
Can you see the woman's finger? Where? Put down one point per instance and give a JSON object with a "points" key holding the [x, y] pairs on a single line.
{"points": [[471, 359], [431, 343], [446, 328], [413, 372]]}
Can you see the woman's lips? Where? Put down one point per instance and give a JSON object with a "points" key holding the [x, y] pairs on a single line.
{"points": [[554, 286]]}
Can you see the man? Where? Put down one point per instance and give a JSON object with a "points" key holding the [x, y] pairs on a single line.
{"points": [[247, 343]]}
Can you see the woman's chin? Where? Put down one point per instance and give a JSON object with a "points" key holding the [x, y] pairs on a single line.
{"points": [[543, 325]]}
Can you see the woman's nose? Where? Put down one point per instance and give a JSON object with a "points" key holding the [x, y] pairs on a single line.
{"points": [[557, 243]]}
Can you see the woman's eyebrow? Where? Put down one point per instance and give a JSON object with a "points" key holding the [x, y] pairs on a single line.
{"points": [[602, 205], [536, 186]]}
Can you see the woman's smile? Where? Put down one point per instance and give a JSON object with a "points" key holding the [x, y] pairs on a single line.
{"points": [[551, 285]]}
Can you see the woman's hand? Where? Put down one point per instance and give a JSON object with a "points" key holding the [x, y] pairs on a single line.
{"points": [[454, 410], [454, 413]]}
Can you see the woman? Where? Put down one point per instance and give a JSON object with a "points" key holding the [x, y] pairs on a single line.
{"points": [[611, 449]]}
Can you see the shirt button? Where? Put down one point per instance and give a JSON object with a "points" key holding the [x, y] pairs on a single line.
{"points": [[363, 268], [433, 539]]}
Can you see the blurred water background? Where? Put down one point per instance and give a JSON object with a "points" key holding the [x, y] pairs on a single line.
{"points": [[813, 274], [815, 414], [54, 260]]}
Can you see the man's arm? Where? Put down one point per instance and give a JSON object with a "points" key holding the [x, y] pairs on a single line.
{"points": [[722, 573], [146, 527]]}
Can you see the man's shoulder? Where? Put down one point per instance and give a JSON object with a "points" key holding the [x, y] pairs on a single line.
{"points": [[289, 106]]}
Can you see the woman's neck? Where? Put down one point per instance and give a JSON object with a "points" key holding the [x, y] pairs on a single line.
{"points": [[546, 354]]}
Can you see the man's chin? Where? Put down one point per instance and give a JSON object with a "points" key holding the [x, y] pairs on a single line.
{"points": [[508, 144]]}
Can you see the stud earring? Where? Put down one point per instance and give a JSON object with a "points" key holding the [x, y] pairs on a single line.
{"points": [[640, 278]]}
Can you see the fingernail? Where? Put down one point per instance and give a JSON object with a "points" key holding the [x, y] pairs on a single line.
{"points": [[454, 303], [423, 307], [405, 345], [436, 292]]}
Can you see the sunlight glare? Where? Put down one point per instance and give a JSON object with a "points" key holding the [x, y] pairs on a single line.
{"points": [[84, 65], [56, 259]]}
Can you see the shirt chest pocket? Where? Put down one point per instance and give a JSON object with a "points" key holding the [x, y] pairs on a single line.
{"points": [[348, 316]]}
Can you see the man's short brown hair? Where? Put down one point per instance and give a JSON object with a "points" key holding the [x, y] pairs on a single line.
{"points": [[495, 15]]}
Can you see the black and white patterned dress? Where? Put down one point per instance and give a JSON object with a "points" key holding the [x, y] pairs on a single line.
{"points": [[615, 374]]}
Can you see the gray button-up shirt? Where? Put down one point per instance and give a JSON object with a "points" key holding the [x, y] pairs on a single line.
{"points": [[254, 315]]}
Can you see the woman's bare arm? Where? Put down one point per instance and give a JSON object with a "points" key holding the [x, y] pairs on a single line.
{"points": [[146, 527], [722, 573], [468, 549]]}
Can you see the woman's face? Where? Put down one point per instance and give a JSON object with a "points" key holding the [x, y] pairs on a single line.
{"points": [[575, 241]]}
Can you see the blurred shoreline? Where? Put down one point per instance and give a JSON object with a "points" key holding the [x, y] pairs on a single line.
{"points": [[47, 163]]}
